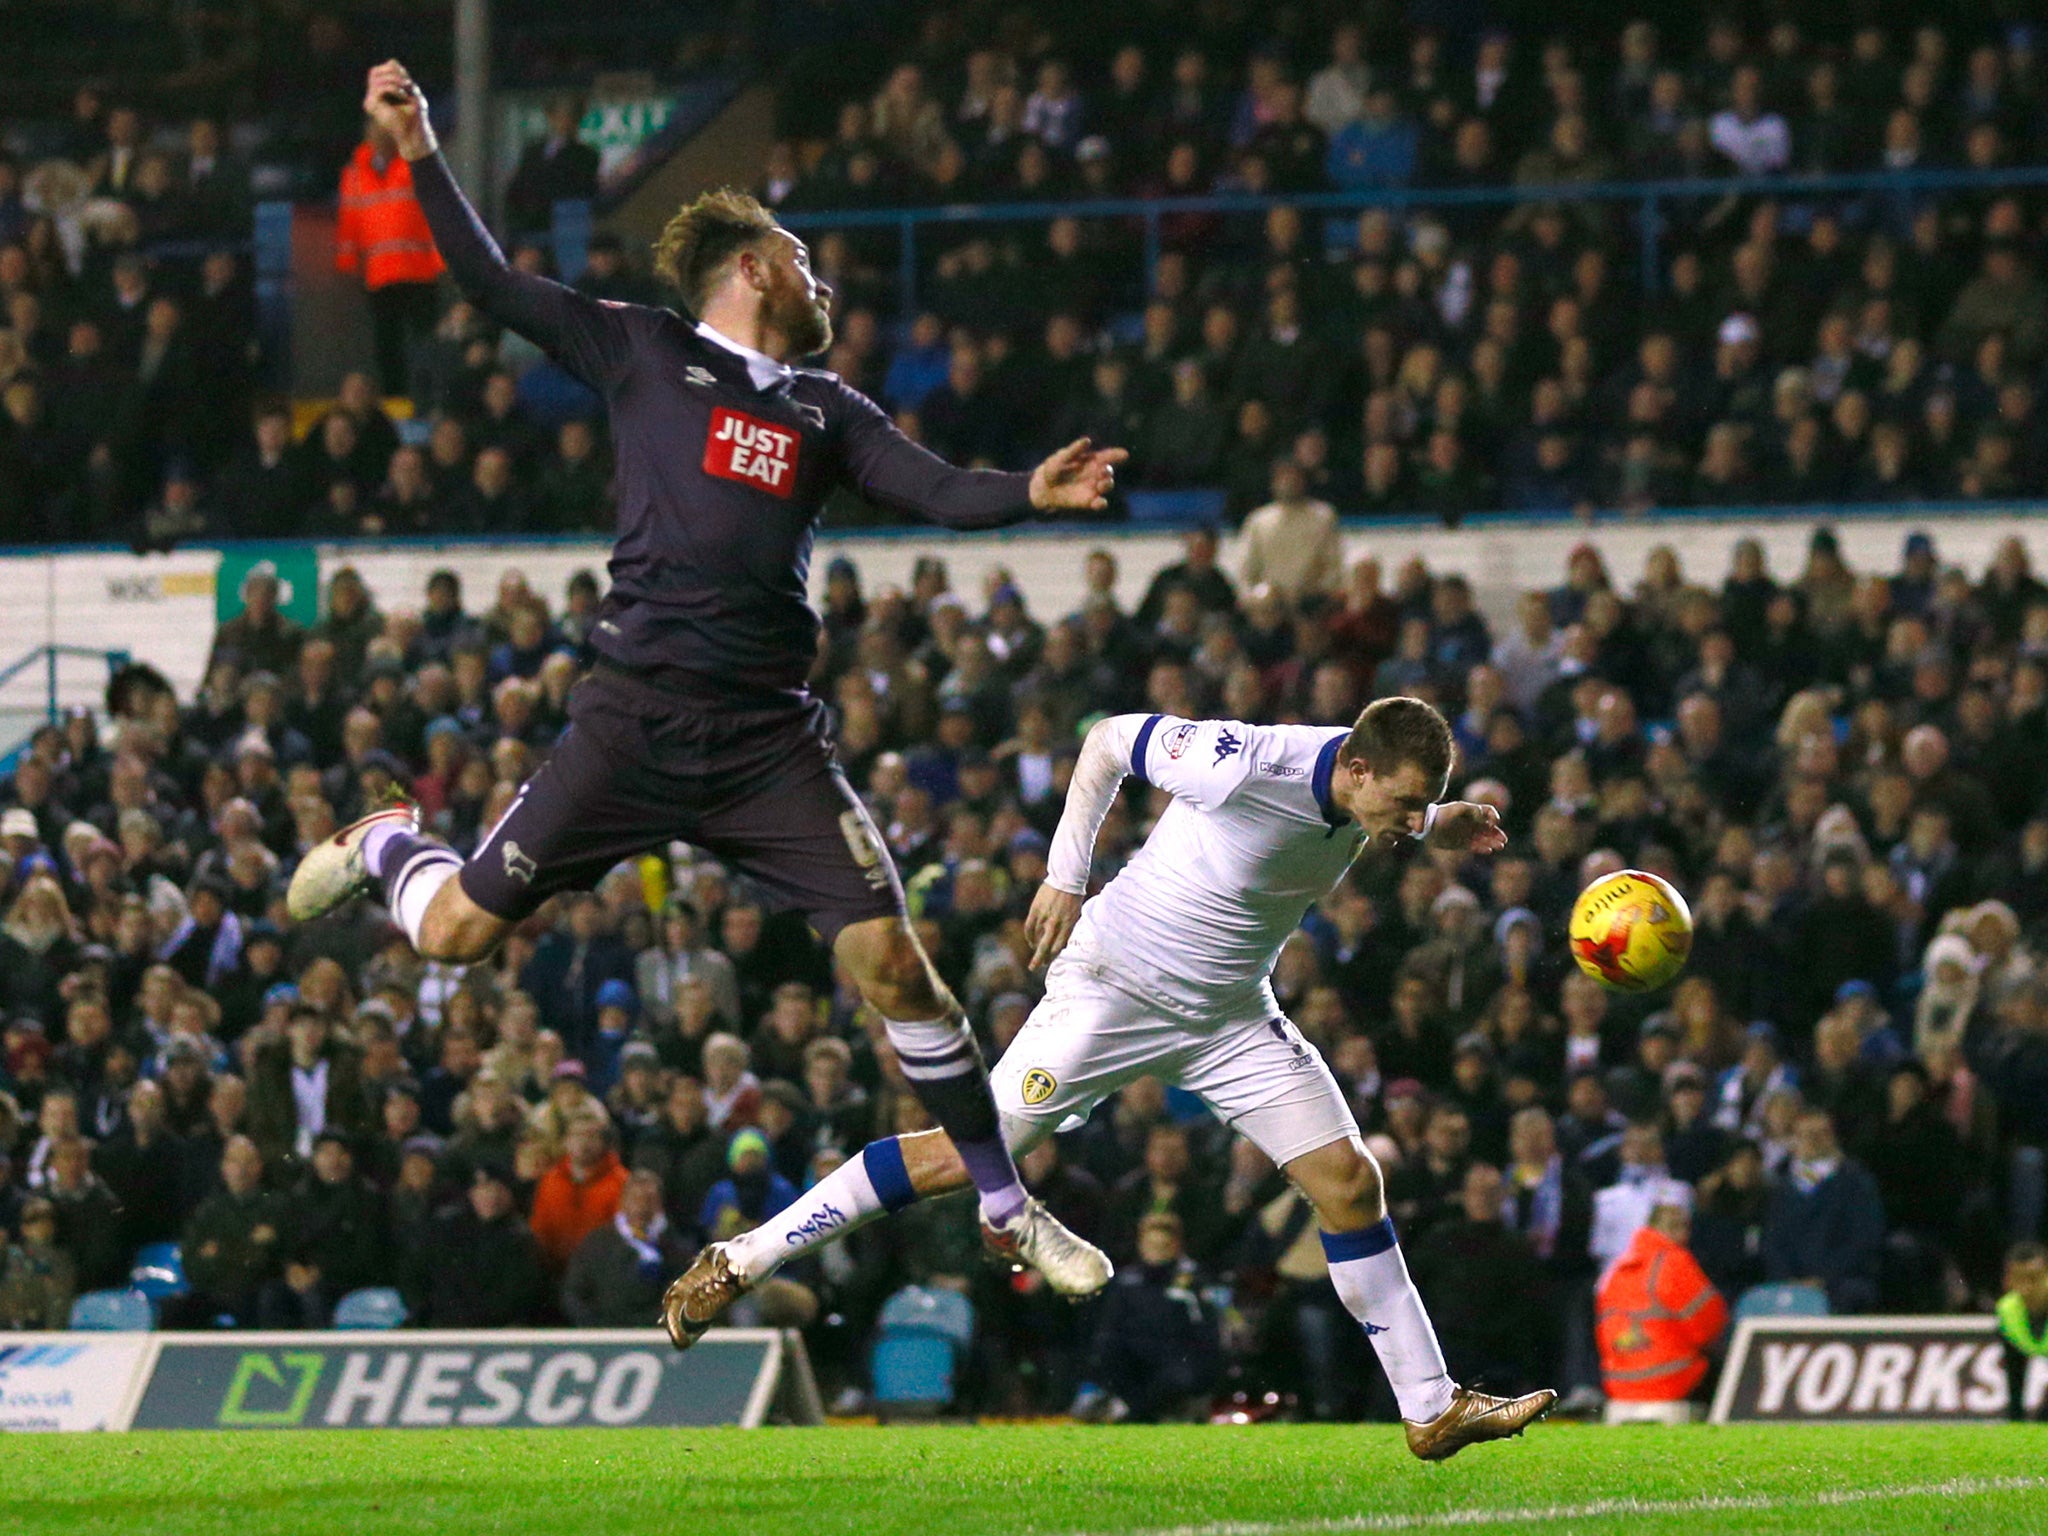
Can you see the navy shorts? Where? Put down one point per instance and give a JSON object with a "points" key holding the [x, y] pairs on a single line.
{"points": [[752, 782]]}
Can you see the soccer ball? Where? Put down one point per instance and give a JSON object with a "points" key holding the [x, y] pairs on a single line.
{"points": [[1631, 931]]}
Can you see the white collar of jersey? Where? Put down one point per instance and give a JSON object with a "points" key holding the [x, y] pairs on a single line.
{"points": [[763, 370]]}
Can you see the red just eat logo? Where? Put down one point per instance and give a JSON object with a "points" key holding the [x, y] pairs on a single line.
{"points": [[752, 451]]}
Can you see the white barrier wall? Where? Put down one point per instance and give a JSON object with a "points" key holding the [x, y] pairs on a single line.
{"points": [[162, 607]]}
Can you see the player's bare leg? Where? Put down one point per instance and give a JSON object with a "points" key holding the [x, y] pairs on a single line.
{"points": [[885, 1176], [936, 1049], [1342, 1182]]}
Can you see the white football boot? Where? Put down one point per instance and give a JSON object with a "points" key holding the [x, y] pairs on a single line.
{"points": [[1034, 1237], [333, 873]]}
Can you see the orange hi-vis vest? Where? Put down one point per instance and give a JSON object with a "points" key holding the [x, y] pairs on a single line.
{"points": [[1658, 1313], [382, 232]]}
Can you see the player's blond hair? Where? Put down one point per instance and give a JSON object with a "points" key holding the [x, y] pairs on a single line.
{"points": [[705, 234]]}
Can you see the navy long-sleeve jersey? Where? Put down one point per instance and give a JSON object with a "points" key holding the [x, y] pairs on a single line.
{"points": [[719, 484]]}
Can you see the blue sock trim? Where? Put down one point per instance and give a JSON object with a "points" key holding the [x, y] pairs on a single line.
{"points": [[1344, 1247], [884, 1163]]}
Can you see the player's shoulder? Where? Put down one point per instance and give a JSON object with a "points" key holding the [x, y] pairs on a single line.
{"points": [[841, 401], [1293, 765], [1213, 743]]}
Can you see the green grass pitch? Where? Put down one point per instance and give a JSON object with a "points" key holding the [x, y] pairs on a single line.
{"points": [[1055, 1481]]}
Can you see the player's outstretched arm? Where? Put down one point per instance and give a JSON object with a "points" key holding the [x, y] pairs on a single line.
{"points": [[586, 335]]}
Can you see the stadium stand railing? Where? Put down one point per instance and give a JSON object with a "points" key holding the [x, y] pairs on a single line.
{"points": [[1650, 201], [29, 692]]}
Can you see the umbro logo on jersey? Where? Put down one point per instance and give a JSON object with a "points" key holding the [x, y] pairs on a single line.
{"points": [[1228, 744], [1176, 740], [699, 376]]}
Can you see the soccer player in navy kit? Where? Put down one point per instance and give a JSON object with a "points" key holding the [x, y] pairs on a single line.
{"points": [[694, 723]]}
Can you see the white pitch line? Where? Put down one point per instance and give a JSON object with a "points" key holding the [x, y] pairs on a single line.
{"points": [[1959, 1487]]}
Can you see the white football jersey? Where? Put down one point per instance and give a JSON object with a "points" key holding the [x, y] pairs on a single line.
{"points": [[1196, 919]]}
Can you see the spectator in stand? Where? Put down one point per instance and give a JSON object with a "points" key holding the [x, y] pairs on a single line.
{"points": [[1291, 543], [1157, 1353], [557, 167], [1660, 1317], [480, 1266], [37, 1278], [382, 235], [620, 1270], [1500, 1329], [1825, 1225], [580, 1193], [234, 1246], [1754, 139], [751, 1191]]}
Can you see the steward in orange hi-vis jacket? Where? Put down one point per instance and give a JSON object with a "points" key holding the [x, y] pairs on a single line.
{"points": [[1658, 1313], [382, 234]]}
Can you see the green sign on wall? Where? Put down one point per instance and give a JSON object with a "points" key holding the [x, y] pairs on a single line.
{"points": [[296, 567], [478, 1380]]}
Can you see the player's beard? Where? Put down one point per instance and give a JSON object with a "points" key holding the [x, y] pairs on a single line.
{"points": [[805, 322]]}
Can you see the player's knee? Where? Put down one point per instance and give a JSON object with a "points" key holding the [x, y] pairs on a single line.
{"points": [[897, 980], [1348, 1187], [458, 932]]}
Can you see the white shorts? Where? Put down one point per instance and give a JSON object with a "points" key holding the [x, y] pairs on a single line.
{"points": [[1088, 1037]]}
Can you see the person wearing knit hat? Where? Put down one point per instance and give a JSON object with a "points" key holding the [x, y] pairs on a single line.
{"points": [[751, 1192]]}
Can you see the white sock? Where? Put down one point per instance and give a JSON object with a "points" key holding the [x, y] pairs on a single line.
{"points": [[415, 886], [377, 838], [853, 1194], [1372, 1281]]}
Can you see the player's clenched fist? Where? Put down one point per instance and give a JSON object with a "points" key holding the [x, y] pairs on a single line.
{"points": [[396, 104], [1049, 924]]}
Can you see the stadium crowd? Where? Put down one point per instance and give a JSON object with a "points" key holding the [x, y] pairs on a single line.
{"points": [[1844, 770], [1443, 358]]}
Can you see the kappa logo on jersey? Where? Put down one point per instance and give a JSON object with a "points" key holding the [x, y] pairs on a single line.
{"points": [[1282, 771], [1176, 740], [1039, 1085], [814, 414], [1228, 743], [699, 376], [752, 451], [518, 866]]}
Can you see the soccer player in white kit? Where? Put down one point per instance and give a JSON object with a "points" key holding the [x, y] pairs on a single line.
{"points": [[1168, 973]]}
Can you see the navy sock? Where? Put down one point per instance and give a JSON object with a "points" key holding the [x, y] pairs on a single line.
{"points": [[943, 1065]]}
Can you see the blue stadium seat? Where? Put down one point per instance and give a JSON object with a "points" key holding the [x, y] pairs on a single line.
{"points": [[1198, 506], [159, 1271], [1783, 1301], [911, 1370], [920, 1336], [374, 1306], [123, 1311], [946, 1313]]}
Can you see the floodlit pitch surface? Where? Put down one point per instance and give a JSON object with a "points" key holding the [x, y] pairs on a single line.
{"points": [[956, 1481]]}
